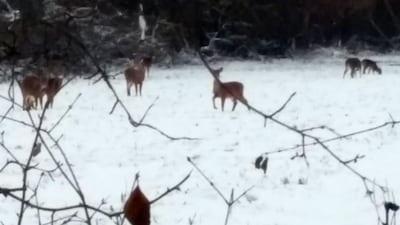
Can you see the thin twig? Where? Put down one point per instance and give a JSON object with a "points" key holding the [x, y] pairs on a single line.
{"points": [[232, 200], [148, 109], [174, 188], [345, 136], [208, 180], [65, 113], [26, 169]]}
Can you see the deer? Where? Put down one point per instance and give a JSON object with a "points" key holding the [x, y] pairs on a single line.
{"points": [[135, 74], [370, 65], [354, 65], [147, 61], [224, 90], [53, 72], [33, 88], [54, 85]]}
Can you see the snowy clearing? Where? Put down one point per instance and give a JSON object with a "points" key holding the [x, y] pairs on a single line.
{"points": [[106, 151]]}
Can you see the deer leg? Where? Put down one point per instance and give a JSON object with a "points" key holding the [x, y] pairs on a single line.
{"points": [[136, 89], [128, 88], [29, 103], [50, 101], [222, 103], [140, 88], [214, 97], [28, 106], [23, 102], [41, 102], [234, 104], [26, 103], [345, 71], [34, 103]]}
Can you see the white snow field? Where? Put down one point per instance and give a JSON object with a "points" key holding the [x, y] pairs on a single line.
{"points": [[106, 151]]}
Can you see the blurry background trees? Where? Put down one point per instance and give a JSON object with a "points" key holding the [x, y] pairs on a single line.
{"points": [[34, 30]]}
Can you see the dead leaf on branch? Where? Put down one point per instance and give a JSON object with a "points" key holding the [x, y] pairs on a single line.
{"points": [[137, 208]]}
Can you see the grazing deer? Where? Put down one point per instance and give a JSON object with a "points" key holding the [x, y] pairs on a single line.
{"points": [[135, 74], [33, 87], [224, 90], [370, 65], [354, 65]]}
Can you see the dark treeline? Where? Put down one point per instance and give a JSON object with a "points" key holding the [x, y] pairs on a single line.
{"points": [[244, 28]]}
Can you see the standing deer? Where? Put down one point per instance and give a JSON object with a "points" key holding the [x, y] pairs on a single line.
{"points": [[354, 65], [53, 86], [135, 74], [33, 88], [370, 65], [54, 70], [224, 90]]}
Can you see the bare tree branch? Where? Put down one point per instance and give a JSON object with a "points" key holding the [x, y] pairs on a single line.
{"points": [[65, 113], [232, 200]]}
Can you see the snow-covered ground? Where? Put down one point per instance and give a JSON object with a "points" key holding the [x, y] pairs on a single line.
{"points": [[106, 151]]}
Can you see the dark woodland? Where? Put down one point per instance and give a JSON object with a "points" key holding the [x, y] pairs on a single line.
{"points": [[39, 30]]}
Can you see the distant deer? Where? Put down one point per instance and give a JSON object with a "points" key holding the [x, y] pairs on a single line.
{"points": [[135, 74], [370, 65], [354, 65], [54, 70], [53, 86], [224, 90], [147, 61], [33, 88]]}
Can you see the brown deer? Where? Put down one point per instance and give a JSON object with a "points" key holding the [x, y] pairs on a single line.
{"points": [[370, 65], [135, 74], [33, 88], [53, 86], [354, 65], [54, 70], [224, 90]]}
